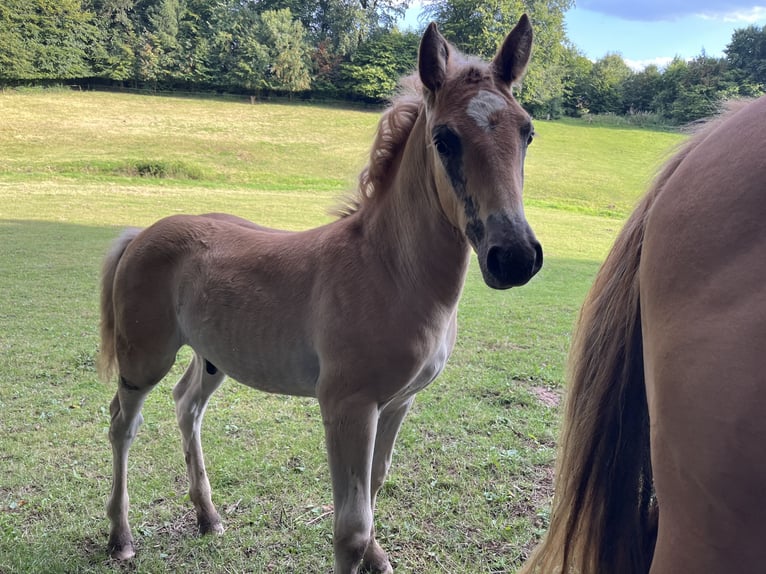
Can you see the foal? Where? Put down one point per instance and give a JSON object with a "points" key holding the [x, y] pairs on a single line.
{"points": [[359, 313]]}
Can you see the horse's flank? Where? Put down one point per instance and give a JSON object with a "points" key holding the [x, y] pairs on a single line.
{"points": [[627, 497]]}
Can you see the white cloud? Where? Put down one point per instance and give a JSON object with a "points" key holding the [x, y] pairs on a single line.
{"points": [[745, 15], [639, 65]]}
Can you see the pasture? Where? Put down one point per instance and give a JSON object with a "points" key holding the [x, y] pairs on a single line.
{"points": [[470, 483]]}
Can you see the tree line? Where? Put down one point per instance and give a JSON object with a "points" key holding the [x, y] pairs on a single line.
{"points": [[348, 49]]}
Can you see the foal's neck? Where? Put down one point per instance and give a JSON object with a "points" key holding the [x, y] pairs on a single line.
{"points": [[412, 231]]}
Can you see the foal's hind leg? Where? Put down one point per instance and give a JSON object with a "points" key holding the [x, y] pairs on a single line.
{"points": [[389, 422], [191, 395], [126, 418]]}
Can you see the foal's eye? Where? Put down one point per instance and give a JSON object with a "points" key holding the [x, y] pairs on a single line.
{"points": [[530, 134], [446, 142], [441, 146]]}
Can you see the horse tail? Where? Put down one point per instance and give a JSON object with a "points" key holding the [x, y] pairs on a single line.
{"points": [[604, 515], [107, 357]]}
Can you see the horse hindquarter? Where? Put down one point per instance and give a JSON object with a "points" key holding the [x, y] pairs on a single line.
{"points": [[704, 319]]}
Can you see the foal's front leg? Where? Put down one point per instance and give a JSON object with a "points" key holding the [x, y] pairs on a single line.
{"points": [[350, 427], [389, 422]]}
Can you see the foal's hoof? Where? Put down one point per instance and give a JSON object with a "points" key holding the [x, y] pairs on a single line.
{"points": [[380, 568], [210, 527], [377, 568], [376, 561], [122, 552]]}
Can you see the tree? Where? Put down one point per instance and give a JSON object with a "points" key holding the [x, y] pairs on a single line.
{"points": [[235, 48], [606, 82], [746, 55], [640, 90], [287, 49], [193, 43], [575, 82], [340, 25], [374, 70], [118, 37], [47, 39], [16, 51]]}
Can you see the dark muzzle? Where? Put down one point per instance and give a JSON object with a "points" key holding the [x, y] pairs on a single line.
{"points": [[509, 255], [514, 265]]}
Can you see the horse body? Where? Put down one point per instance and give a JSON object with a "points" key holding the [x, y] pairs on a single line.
{"points": [[661, 466], [310, 297], [360, 313], [703, 312]]}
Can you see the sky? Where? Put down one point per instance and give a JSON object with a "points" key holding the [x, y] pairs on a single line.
{"points": [[647, 32]]}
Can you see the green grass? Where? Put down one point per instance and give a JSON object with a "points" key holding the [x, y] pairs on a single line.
{"points": [[470, 484]]}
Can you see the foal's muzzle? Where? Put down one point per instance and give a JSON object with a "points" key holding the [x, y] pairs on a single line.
{"points": [[509, 255]]}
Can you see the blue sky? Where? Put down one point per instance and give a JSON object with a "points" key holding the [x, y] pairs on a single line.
{"points": [[654, 31]]}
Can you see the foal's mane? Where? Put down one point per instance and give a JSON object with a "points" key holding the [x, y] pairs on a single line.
{"points": [[393, 130]]}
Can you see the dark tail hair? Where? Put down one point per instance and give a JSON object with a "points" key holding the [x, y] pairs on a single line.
{"points": [[107, 357]]}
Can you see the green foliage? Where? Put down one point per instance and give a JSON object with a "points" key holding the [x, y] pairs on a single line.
{"points": [[606, 80], [575, 102], [47, 39], [375, 69], [688, 91], [288, 51], [16, 55], [348, 49], [543, 86], [746, 53], [639, 90]]}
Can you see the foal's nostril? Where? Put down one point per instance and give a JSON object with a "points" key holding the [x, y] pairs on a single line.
{"points": [[495, 263]]}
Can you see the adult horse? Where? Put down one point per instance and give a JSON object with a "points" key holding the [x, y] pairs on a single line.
{"points": [[360, 313], [662, 466]]}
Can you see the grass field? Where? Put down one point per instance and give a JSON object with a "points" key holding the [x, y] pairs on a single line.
{"points": [[471, 479]]}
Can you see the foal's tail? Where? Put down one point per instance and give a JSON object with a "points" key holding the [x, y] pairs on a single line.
{"points": [[604, 516], [107, 358]]}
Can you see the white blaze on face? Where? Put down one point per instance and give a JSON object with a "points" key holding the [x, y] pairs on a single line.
{"points": [[482, 106]]}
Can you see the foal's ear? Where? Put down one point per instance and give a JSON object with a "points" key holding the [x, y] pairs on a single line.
{"points": [[432, 58], [513, 56]]}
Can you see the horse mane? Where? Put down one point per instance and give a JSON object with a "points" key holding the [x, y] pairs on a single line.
{"points": [[394, 128]]}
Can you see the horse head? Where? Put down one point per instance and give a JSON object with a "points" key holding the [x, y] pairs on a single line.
{"points": [[479, 135]]}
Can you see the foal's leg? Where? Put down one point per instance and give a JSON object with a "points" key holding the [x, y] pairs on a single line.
{"points": [[126, 418], [191, 395], [350, 427], [389, 422]]}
